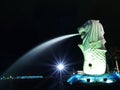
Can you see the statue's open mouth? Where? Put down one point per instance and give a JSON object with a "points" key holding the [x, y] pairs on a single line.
{"points": [[83, 34]]}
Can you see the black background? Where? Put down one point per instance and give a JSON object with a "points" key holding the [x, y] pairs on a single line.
{"points": [[25, 24]]}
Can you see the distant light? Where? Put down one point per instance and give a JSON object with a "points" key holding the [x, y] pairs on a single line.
{"points": [[60, 66], [29, 77]]}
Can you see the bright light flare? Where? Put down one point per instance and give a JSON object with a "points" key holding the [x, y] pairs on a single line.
{"points": [[60, 66]]}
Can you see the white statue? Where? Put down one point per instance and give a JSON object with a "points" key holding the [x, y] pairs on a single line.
{"points": [[93, 47]]}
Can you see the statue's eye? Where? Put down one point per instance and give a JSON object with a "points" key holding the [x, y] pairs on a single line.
{"points": [[86, 24], [83, 25]]}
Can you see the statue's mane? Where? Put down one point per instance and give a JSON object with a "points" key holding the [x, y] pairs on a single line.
{"points": [[92, 32]]}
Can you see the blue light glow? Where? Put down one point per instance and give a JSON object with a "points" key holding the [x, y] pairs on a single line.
{"points": [[105, 78], [29, 77]]}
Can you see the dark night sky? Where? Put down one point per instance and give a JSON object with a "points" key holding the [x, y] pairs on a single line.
{"points": [[26, 23]]}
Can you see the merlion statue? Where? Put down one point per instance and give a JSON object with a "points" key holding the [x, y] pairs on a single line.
{"points": [[93, 48]]}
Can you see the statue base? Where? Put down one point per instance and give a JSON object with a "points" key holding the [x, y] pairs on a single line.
{"points": [[107, 78]]}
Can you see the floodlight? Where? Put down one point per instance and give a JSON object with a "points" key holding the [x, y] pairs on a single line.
{"points": [[60, 66]]}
